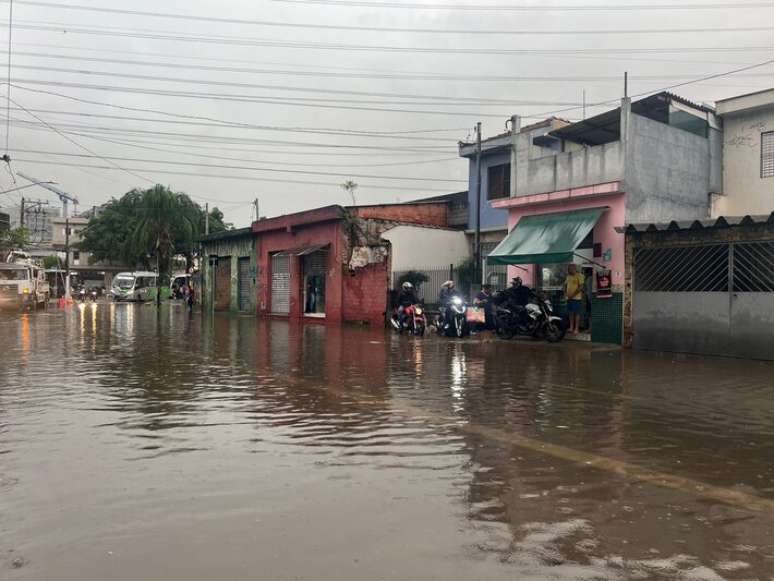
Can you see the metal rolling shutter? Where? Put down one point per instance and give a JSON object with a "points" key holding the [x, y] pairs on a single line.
{"points": [[280, 284], [244, 283]]}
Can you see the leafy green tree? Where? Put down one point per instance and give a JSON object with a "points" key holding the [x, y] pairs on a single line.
{"points": [[144, 225], [13, 239], [51, 262]]}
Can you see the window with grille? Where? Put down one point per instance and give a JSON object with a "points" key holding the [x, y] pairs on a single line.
{"points": [[767, 154], [499, 178]]}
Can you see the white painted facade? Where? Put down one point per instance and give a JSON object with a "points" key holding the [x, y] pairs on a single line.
{"points": [[746, 121], [418, 247]]}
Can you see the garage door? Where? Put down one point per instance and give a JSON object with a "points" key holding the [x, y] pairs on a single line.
{"points": [[223, 283], [280, 284], [714, 299], [245, 281]]}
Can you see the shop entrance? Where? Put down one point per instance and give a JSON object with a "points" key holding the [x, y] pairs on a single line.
{"points": [[314, 267]]}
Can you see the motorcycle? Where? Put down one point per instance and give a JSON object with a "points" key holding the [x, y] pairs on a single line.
{"points": [[82, 295], [455, 324], [536, 319], [93, 296], [413, 320]]}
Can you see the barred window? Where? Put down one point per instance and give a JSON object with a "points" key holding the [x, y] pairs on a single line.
{"points": [[767, 154]]}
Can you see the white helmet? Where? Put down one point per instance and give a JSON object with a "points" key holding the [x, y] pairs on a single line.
{"points": [[407, 285], [448, 284]]}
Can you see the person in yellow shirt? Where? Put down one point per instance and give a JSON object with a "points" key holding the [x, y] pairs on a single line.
{"points": [[573, 292]]}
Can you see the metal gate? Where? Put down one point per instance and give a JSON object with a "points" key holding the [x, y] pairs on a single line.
{"points": [[280, 284], [244, 283], [715, 299]]}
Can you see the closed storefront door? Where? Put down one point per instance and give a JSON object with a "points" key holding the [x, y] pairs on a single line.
{"points": [[223, 283], [280, 284], [245, 284]]}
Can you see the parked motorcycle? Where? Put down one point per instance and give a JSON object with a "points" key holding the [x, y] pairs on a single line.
{"points": [[456, 322], [536, 319], [414, 320]]}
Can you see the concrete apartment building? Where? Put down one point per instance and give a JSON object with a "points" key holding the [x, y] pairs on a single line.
{"points": [[653, 160], [748, 155]]}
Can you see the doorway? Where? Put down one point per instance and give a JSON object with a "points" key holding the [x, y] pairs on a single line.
{"points": [[314, 268]]}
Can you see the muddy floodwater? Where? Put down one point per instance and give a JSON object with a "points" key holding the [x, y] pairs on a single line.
{"points": [[145, 446]]}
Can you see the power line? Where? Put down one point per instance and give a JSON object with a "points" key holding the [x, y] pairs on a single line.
{"points": [[452, 101], [227, 125], [353, 75], [237, 167], [73, 141], [362, 28], [231, 177], [248, 99], [232, 139], [8, 93], [236, 123], [236, 41], [533, 8], [143, 145], [327, 67]]}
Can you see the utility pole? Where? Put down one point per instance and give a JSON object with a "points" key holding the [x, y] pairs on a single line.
{"points": [[477, 240], [67, 260], [257, 213], [584, 103], [207, 218], [21, 215], [626, 83]]}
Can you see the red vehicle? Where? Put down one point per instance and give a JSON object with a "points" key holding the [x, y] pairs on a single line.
{"points": [[414, 320]]}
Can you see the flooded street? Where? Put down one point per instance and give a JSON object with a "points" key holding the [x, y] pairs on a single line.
{"points": [[176, 447]]}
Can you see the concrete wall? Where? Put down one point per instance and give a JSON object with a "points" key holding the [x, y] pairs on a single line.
{"points": [[415, 247], [744, 190], [668, 172], [490, 217], [572, 169]]}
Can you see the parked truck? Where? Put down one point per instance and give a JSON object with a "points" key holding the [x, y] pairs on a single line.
{"points": [[23, 285]]}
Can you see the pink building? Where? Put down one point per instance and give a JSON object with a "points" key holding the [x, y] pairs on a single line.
{"points": [[654, 160]]}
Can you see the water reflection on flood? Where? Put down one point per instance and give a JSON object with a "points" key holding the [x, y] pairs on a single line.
{"points": [[137, 444]]}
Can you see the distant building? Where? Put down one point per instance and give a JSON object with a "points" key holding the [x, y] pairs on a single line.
{"points": [[5, 221], [37, 220], [748, 155]]}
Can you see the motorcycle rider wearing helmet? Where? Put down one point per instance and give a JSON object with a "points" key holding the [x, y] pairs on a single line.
{"points": [[518, 294], [406, 298], [448, 292]]}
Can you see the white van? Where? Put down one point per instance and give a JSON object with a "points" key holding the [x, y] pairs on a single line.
{"points": [[134, 286]]}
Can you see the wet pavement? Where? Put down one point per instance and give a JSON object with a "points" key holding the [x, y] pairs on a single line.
{"points": [[180, 447]]}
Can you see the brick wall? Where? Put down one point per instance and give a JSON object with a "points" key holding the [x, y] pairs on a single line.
{"points": [[365, 294], [428, 214]]}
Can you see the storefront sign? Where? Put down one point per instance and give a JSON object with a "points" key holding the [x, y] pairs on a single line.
{"points": [[604, 284]]}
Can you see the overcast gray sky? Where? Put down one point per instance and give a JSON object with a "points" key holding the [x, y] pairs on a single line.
{"points": [[359, 78]]}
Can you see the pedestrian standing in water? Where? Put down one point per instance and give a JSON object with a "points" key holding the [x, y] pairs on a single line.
{"points": [[573, 292], [189, 299]]}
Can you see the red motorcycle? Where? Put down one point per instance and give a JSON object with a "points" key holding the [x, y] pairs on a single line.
{"points": [[414, 320]]}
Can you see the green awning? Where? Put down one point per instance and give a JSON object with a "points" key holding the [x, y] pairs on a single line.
{"points": [[545, 238]]}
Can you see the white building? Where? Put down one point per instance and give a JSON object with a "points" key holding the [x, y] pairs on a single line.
{"points": [[748, 155]]}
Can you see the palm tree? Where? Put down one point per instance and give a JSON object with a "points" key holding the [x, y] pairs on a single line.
{"points": [[349, 186], [163, 217]]}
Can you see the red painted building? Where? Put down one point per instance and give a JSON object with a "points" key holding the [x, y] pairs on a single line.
{"points": [[330, 263]]}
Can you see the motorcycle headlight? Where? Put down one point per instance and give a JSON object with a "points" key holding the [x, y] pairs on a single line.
{"points": [[457, 301], [418, 311]]}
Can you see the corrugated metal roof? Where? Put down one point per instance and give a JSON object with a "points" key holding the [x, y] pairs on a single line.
{"points": [[707, 223], [225, 234]]}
